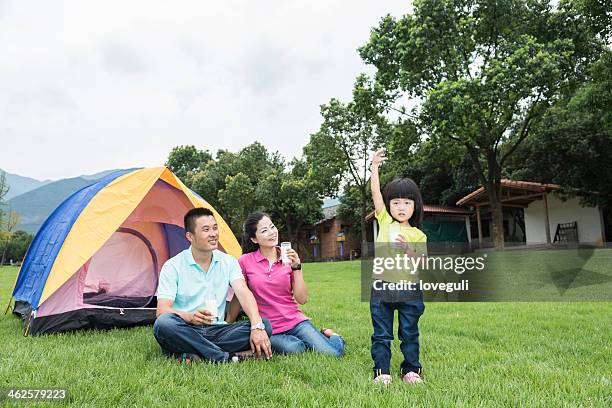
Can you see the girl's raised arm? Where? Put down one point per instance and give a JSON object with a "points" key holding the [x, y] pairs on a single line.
{"points": [[377, 159]]}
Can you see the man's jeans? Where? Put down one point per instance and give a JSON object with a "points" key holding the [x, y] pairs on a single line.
{"points": [[212, 342], [409, 312], [304, 336]]}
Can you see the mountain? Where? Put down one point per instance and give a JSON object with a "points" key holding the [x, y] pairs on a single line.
{"points": [[20, 184], [98, 176], [35, 206]]}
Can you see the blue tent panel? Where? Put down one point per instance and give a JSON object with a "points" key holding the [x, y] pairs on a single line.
{"points": [[49, 239]]}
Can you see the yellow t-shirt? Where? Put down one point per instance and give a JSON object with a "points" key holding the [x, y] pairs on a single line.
{"points": [[384, 248], [413, 235]]}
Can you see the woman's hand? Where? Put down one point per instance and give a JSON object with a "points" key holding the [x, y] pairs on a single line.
{"points": [[293, 257], [300, 291]]}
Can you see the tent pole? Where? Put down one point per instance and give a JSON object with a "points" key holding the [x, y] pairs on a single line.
{"points": [[27, 329], [9, 306]]}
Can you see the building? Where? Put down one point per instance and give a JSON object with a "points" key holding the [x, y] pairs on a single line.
{"points": [[534, 215], [333, 238], [447, 228], [329, 239]]}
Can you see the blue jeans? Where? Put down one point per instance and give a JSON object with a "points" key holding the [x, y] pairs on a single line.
{"points": [[212, 342], [409, 312], [304, 336]]}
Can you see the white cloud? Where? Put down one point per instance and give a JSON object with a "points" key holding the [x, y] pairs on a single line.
{"points": [[87, 85]]}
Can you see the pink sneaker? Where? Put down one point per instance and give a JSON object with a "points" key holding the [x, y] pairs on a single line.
{"points": [[412, 378], [384, 379]]}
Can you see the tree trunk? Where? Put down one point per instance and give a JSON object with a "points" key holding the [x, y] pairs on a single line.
{"points": [[498, 224], [290, 233], [364, 206], [494, 190], [492, 184], [497, 216], [8, 241], [293, 237]]}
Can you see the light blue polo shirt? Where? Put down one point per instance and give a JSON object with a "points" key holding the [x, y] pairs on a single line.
{"points": [[184, 282]]}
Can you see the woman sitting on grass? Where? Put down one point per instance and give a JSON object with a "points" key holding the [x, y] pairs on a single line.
{"points": [[278, 289]]}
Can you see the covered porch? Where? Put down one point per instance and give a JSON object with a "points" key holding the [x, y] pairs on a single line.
{"points": [[514, 194]]}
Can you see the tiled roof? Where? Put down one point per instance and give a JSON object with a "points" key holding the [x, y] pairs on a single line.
{"points": [[328, 213], [511, 184]]}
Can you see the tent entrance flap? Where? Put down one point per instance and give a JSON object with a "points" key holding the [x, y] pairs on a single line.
{"points": [[123, 273]]}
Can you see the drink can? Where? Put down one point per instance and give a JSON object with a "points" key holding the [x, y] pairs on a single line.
{"points": [[284, 246]]}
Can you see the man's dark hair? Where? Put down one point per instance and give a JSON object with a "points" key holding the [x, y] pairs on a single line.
{"points": [[192, 215]]}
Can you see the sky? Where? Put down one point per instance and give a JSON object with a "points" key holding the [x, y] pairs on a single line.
{"points": [[87, 86]]}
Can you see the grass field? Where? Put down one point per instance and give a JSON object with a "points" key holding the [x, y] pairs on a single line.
{"points": [[474, 354]]}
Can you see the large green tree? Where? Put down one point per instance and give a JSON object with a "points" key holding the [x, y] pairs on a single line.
{"points": [[293, 198], [339, 153], [18, 246], [236, 200], [484, 72], [572, 145], [229, 181], [11, 222], [254, 179], [185, 160], [442, 170]]}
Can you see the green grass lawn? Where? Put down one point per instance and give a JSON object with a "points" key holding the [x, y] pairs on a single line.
{"points": [[474, 354]]}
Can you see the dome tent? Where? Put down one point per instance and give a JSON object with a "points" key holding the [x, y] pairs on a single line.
{"points": [[95, 261]]}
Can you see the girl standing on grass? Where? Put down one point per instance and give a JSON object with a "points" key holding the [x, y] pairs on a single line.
{"points": [[399, 211]]}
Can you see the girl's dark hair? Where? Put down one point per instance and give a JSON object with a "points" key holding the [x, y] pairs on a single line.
{"points": [[249, 228], [405, 187]]}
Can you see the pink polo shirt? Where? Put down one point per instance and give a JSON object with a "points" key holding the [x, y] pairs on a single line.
{"points": [[271, 287]]}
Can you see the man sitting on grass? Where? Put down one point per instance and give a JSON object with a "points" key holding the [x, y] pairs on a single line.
{"points": [[193, 286]]}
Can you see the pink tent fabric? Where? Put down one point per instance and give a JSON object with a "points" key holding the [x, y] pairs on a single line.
{"points": [[128, 265]]}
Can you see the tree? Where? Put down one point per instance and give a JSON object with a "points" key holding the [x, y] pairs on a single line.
{"points": [[293, 198], [256, 180], [340, 151], [573, 142], [12, 220], [18, 246], [4, 189], [442, 171], [211, 177], [237, 200], [350, 208], [485, 72], [185, 160]]}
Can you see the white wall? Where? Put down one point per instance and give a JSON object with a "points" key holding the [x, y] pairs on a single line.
{"points": [[588, 218]]}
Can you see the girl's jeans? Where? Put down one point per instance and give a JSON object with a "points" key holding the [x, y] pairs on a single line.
{"points": [[382, 309]]}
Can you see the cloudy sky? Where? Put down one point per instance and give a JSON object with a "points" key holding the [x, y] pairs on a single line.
{"points": [[87, 86]]}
